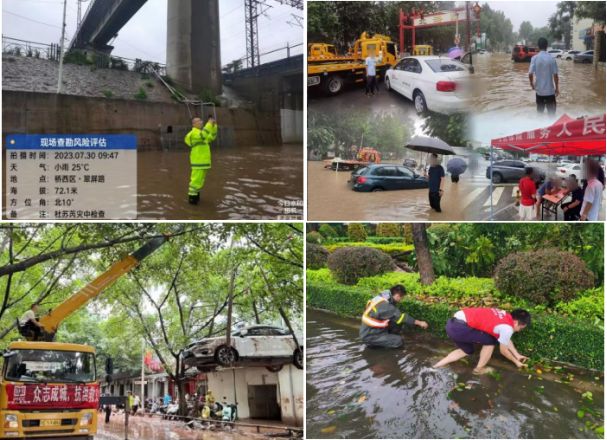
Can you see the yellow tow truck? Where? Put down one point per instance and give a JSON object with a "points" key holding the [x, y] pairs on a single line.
{"points": [[49, 390], [333, 73]]}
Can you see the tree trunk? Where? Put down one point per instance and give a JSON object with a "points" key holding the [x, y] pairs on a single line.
{"points": [[257, 321], [422, 250], [230, 300], [183, 406]]}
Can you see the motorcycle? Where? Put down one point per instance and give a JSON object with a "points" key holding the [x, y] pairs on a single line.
{"points": [[229, 412]]}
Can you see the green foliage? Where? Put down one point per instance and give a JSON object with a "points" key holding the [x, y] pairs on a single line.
{"points": [[313, 237], [207, 95], [327, 231], [590, 9], [168, 80], [497, 27], [388, 230], [551, 337], [145, 75], [141, 95], [76, 56], [323, 275], [590, 304], [316, 256], [399, 250], [107, 93], [357, 232], [349, 264], [546, 276], [407, 233], [150, 84]]}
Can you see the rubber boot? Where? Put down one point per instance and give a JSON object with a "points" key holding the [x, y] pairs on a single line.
{"points": [[193, 200], [197, 198]]}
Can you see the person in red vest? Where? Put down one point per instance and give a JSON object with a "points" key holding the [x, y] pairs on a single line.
{"points": [[487, 327]]}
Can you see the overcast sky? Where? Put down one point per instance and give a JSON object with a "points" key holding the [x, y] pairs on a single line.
{"points": [[537, 13], [144, 36]]}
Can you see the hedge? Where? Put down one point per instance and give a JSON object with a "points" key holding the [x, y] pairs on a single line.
{"points": [[316, 256], [549, 337], [370, 239], [390, 249], [349, 264], [356, 232]]}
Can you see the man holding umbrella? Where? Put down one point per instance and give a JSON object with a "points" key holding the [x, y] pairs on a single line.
{"points": [[436, 181]]}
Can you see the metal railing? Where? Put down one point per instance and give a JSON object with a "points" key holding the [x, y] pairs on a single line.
{"points": [[13, 46], [172, 137]]}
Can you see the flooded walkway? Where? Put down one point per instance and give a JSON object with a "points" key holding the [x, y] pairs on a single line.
{"points": [[155, 428], [354, 392]]}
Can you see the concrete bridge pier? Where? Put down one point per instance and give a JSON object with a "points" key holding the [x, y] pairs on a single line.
{"points": [[193, 45]]}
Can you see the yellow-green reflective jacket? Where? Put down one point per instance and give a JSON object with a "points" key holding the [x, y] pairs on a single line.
{"points": [[198, 140]]}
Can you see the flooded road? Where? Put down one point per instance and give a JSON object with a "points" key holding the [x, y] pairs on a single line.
{"points": [[330, 198], [354, 392], [249, 183], [154, 428], [582, 87], [244, 183]]}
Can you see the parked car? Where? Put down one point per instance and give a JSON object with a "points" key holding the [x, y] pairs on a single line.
{"points": [[433, 83], [568, 55], [564, 163], [513, 170], [584, 57], [527, 160], [386, 177], [524, 53], [555, 53], [410, 163], [270, 345], [567, 170]]}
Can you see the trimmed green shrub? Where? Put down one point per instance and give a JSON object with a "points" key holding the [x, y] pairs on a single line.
{"points": [[141, 95], [589, 304], [351, 263], [407, 233], [327, 231], [549, 337], [323, 275], [388, 230], [313, 237], [316, 256], [356, 232], [385, 240], [546, 276], [390, 249]]}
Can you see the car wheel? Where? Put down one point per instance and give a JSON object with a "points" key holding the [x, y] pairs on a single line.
{"points": [[377, 189], [274, 368], [225, 355], [298, 359], [558, 56], [334, 85], [420, 102], [497, 178], [388, 83]]}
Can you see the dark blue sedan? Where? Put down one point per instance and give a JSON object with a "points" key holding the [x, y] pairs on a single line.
{"points": [[386, 177]]}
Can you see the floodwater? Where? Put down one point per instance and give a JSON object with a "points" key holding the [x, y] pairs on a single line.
{"points": [[330, 198], [582, 87], [155, 428], [395, 393]]}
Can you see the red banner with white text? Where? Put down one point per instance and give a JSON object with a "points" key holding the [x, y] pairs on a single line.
{"points": [[41, 396]]}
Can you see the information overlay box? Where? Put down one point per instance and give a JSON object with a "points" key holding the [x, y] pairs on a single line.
{"points": [[71, 177]]}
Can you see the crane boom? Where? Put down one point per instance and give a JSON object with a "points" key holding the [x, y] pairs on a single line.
{"points": [[52, 320]]}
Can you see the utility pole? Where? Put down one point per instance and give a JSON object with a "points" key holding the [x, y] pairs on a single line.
{"points": [[60, 84]]}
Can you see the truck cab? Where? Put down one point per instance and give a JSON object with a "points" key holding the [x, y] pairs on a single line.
{"points": [[48, 390], [322, 51]]}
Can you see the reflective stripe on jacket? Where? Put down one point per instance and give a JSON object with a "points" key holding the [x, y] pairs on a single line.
{"points": [[371, 322]]}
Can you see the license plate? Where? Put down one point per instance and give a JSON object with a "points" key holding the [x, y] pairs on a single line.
{"points": [[50, 422]]}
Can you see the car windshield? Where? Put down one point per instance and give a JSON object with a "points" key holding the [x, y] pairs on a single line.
{"points": [[445, 65], [50, 366], [361, 171]]}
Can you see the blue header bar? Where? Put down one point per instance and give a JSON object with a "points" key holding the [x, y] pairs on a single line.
{"points": [[90, 142]]}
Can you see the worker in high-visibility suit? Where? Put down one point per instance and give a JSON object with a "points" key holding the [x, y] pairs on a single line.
{"points": [[200, 155], [382, 321]]}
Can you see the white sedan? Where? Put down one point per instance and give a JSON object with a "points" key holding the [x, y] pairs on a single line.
{"points": [[568, 169], [568, 55], [556, 53], [434, 83]]}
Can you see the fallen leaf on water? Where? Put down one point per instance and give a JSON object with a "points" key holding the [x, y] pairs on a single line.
{"points": [[597, 378], [488, 426], [473, 399], [539, 371], [468, 429], [455, 376], [454, 405], [328, 429], [331, 412], [580, 414], [539, 410], [370, 419], [469, 387], [551, 337], [461, 384], [529, 377], [555, 408], [336, 390], [491, 404], [362, 399], [342, 417], [487, 395]]}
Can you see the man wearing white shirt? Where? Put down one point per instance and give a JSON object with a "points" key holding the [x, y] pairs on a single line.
{"points": [[593, 194], [370, 64], [29, 323]]}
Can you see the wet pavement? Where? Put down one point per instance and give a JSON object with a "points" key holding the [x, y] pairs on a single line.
{"points": [[249, 183], [354, 392], [155, 428], [582, 87]]}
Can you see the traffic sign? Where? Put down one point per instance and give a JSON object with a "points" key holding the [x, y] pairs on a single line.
{"points": [[457, 40]]}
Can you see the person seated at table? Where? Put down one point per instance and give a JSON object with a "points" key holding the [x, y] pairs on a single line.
{"points": [[550, 187], [572, 209]]}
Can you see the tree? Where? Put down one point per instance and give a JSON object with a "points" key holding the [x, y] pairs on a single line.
{"points": [[593, 10], [452, 129], [524, 31], [422, 251]]}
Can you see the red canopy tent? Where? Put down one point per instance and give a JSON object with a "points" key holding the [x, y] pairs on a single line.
{"points": [[566, 137]]}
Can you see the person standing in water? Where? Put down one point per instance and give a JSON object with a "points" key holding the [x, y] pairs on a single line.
{"points": [[198, 140]]}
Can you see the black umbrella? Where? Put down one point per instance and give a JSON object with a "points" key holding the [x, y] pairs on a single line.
{"points": [[456, 166], [430, 145]]}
